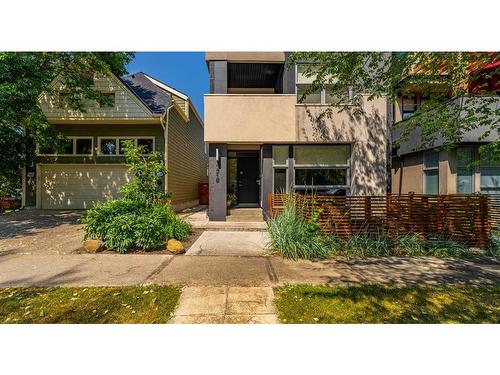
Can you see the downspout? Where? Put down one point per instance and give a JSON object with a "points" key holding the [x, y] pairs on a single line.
{"points": [[164, 123]]}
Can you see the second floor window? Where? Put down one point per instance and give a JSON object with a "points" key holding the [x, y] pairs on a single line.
{"points": [[323, 96], [72, 146], [408, 106], [114, 145]]}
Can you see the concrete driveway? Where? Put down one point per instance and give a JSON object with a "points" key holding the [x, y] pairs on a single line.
{"points": [[40, 232]]}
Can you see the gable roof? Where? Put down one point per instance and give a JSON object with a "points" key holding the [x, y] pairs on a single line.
{"points": [[155, 98], [166, 87]]}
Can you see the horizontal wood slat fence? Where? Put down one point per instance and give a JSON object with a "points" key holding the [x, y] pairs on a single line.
{"points": [[465, 218]]}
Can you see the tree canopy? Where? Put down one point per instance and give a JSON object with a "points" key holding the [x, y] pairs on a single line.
{"points": [[23, 77], [455, 86]]}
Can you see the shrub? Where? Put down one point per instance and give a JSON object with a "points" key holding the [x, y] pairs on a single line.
{"points": [[140, 220], [296, 238], [408, 245], [123, 225], [363, 245], [147, 172], [494, 247]]}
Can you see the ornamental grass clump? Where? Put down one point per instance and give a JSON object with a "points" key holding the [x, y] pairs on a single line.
{"points": [[409, 244], [294, 237], [446, 248], [142, 218], [362, 245]]}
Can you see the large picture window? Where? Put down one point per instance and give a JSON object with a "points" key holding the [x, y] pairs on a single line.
{"points": [[322, 168], [431, 172]]}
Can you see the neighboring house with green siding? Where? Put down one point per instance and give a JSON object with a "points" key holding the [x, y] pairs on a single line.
{"points": [[144, 110]]}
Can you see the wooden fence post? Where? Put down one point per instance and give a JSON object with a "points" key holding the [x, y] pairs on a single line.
{"points": [[424, 223], [270, 204], [368, 207], [482, 222]]}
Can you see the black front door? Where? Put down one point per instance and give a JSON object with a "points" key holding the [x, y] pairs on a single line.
{"points": [[248, 180]]}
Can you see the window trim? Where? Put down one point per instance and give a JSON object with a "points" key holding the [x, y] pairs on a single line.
{"points": [[117, 139], [427, 169], [73, 140]]}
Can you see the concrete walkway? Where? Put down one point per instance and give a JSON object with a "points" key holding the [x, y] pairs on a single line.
{"points": [[237, 243], [226, 305]]}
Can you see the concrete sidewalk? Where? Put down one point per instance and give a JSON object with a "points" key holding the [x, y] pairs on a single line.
{"points": [[226, 305], [257, 271]]}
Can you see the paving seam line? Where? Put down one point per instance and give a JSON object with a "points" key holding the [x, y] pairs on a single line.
{"points": [[158, 269], [271, 272]]}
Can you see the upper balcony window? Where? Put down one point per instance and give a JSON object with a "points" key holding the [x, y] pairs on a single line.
{"points": [[254, 78], [323, 96], [408, 106]]}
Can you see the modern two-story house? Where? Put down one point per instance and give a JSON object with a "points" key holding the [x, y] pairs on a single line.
{"points": [[263, 137], [451, 170], [92, 167]]}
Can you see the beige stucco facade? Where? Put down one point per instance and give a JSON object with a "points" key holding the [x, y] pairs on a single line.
{"points": [[249, 118], [279, 119]]}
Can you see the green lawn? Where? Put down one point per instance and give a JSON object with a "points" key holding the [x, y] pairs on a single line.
{"points": [[151, 304], [379, 304]]}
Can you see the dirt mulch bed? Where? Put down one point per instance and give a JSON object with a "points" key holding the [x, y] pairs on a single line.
{"points": [[160, 250]]}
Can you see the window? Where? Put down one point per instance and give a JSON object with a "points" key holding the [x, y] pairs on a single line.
{"points": [[72, 146], [321, 177], [280, 185], [110, 146], [146, 143], [321, 167], [431, 172], [323, 96], [280, 169], [465, 174], [121, 143], [408, 106], [490, 176]]}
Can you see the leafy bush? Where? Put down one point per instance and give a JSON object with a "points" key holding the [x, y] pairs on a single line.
{"points": [[123, 225], [296, 238]]}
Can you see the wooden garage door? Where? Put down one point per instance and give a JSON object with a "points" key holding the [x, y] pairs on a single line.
{"points": [[77, 186]]}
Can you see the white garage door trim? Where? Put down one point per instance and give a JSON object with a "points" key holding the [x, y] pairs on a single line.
{"points": [[93, 187]]}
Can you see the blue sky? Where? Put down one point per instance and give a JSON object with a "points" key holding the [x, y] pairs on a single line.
{"points": [[184, 71]]}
